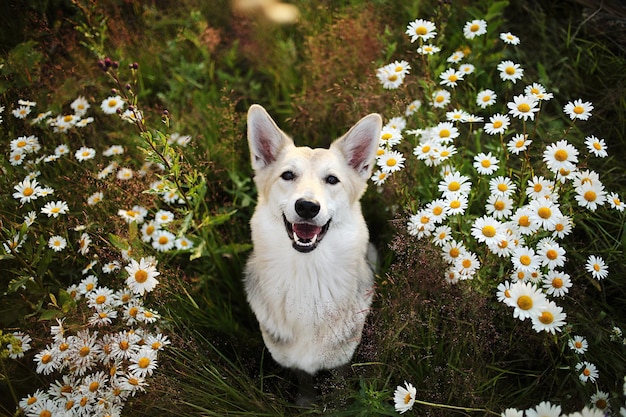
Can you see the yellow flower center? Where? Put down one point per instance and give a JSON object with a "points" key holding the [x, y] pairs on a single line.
{"points": [[155, 345], [141, 276], [45, 359], [596, 267], [557, 283], [510, 70], [552, 254], [474, 27], [84, 351], [507, 293], [453, 77], [31, 400], [64, 346], [590, 196], [399, 68], [444, 133], [485, 163], [520, 143], [425, 149], [89, 286], [544, 212], [21, 144], [112, 103], [45, 413], [597, 146], [586, 372], [546, 317], [393, 77], [101, 299], [454, 252], [391, 162], [579, 109], [421, 30], [133, 311], [489, 231], [486, 98], [525, 302], [499, 205], [524, 108], [163, 240], [455, 204], [93, 387], [425, 219], [578, 344], [525, 260], [466, 263], [502, 187], [437, 210], [454, 186], [560, 155], [380, 152], [386, 136], [28, 192], [68, 118], [497, 124], [143, 362], [439, 99]]}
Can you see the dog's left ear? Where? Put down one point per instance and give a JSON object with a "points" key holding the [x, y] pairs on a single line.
{"points": [[360, 144], [265, 139]]}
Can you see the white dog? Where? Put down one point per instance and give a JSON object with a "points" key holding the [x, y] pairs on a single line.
{"points": [[309, 280]]}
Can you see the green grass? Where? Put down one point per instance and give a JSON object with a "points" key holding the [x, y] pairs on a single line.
{"points": [[205, 65]]}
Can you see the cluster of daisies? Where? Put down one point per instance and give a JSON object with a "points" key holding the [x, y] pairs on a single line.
{"points": [[115, 352], [107, 362], [524, 223]]}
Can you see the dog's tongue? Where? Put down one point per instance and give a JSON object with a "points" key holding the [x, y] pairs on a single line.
{"points": [[306, 231]]}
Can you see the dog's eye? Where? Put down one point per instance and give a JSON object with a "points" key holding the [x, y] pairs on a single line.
{"points": [[288, 176], [332, 180]]}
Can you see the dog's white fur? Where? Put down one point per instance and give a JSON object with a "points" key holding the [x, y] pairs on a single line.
{"points": [[311, 304]]}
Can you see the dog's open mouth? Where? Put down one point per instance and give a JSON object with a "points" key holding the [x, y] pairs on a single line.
{"points": [[305, 236]]}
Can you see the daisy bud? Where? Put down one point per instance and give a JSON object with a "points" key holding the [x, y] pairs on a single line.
{"points": [[115, 64], [113, 91], [128, 87], [135, 65], [107, 62]]}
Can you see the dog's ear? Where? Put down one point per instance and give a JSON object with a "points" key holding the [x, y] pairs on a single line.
{"points": [[360, 144], [264, 137]]}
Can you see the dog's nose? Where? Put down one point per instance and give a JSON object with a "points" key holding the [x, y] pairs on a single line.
{"points": [[307, 209]]}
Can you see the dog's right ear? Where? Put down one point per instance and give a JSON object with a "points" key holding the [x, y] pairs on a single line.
{"points": [[264, 137]]}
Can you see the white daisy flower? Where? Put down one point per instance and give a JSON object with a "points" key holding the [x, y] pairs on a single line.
{"points": [[597, 147], [510, 71], [141, 276], [404, 397], [112, 104], [578, 109], [85, 153], [597, 267], [440, 98], [556, 283], [578, 344], [508, 37], [57, 243], [55, 208], [421, 29], [523, 107], [486, 98], [498, 123], [475, 28], [526, 300]]}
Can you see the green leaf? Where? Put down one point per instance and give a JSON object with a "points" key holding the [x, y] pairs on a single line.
{"points": [[50, 314]]}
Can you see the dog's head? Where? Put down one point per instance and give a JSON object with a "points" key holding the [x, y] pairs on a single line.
{"points": [[311, 191]]}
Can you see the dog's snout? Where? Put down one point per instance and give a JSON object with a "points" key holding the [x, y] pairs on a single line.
{"points": [[307, 209]]}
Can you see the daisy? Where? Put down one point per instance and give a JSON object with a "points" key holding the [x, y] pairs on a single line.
{"points": [[124, 344], [545, 212], [391, 161], [560, 155], [509, 38], [596, 146], [485, 164], [95, 198], [404, 397], [80, 106], [486, 98], [578, 344], [141, 276], [57, 243], [510, 71], [163, 217], [600, 400], [83, 243], [124, 174], [19, 345], [456, 202], [390, 136], [157, 342], [136, 214], [497, 124], [503, 291], [475, 28], [523, 107], [85, 154], [472, 118], [590, 195], [21, 112], [615, 201], [457, 115], [526, 300], [467, 69], [578, 109], [466, 264], [47, 360], [103, 317], [428, 49], [518, 143], [441, 235], [455, 183], [456, 57], [113, 150], [412, 108], [499, 206], [421, 224], [588, 371], [389, 78], [544, 409], [552, 255], [450, 77], [132, 384], [550, 318], [102, 298], [512, 412], [488, 230], [379, 177], [27, 190], [557, 283], [148, 229], [504, 247], [147, 316], [525, 259], [538, 187], [502, 186], [421, 29], [112, 104], [452, 250], [440, 98], [45, 407], [597, 267], [17, 157], [445, 132], [53, 209], [143, 362], [438, 210], [110, 267]]}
